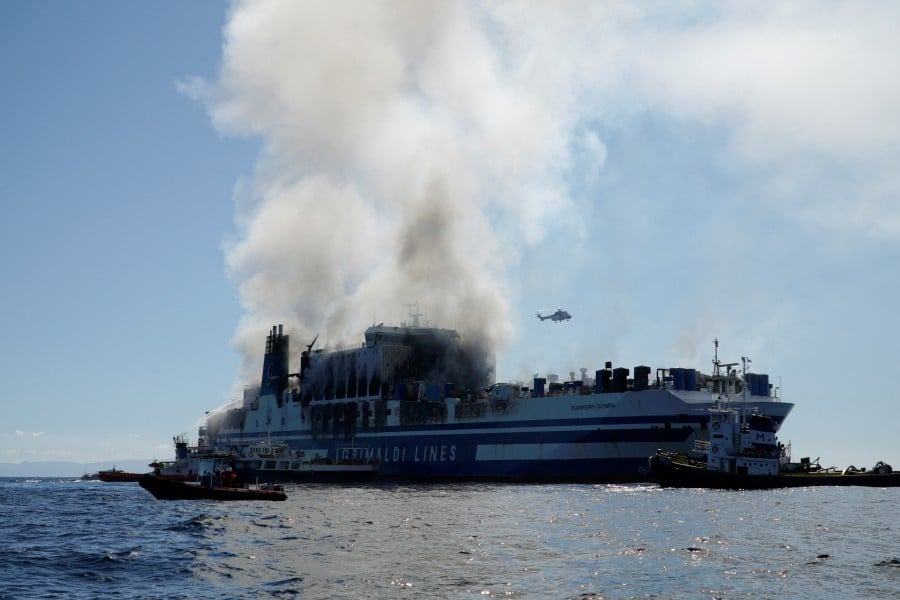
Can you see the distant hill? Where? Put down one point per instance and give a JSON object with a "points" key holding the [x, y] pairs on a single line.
{"points": [[51, 468]]}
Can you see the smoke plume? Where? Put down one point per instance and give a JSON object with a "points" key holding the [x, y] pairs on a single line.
{"points": [[404, 160]]}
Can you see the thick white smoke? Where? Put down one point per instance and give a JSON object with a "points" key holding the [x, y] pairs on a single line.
{"points": [[405, 160]]}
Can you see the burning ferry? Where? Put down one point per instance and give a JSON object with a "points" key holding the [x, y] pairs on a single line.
{"points": [[417, 401]]}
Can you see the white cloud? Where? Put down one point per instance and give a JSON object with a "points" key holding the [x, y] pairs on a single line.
{"points": [[26, 434], [808, 95], [805, 93]]}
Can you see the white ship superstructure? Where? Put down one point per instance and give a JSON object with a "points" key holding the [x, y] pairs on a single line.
{"points": [[417, 401]]}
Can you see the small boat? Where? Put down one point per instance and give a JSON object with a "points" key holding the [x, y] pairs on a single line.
{"points": [[743, 453], [114, 475], [266, 462], [172, 489]]}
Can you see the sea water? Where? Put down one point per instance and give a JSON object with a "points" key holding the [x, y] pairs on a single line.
{"points": [[74, 539]]}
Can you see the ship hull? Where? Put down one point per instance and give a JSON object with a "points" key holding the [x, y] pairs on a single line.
{"points": [[612, 447], [326, 473]]}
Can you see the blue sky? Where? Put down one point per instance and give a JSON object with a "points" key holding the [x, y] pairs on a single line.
{"points": [[176, 177]]}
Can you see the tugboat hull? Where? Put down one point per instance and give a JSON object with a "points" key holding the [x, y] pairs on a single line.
{"points": [[168, 489], [676, 470]]}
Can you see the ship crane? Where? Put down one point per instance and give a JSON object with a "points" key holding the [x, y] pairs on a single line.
{"points": [[304, 360]]}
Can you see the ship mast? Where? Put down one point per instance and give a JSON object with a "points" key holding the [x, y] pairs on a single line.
{"points": [[716, 357], [724, 385], [414, 313]]}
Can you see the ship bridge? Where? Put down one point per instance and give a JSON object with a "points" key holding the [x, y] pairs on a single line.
{"points": [[381, 333]]}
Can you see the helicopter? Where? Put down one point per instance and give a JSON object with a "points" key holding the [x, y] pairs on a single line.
{"points": [[559, 315]]}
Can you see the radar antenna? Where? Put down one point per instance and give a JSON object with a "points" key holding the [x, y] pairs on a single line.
{"points": [[414, 313]]}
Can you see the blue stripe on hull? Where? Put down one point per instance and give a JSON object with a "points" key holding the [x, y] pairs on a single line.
{"points": [[596, 455]]}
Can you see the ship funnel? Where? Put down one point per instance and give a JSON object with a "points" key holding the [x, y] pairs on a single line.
{"points": [[275, 363]]}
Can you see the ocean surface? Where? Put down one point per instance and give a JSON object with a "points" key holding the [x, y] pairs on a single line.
{"points": [[73, 539]]}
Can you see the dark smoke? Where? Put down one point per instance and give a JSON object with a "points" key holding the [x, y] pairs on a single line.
{"points": [[434, 358]]}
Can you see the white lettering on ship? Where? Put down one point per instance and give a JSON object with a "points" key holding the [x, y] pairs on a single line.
{"points": [[417, 453], [593, 406]]}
